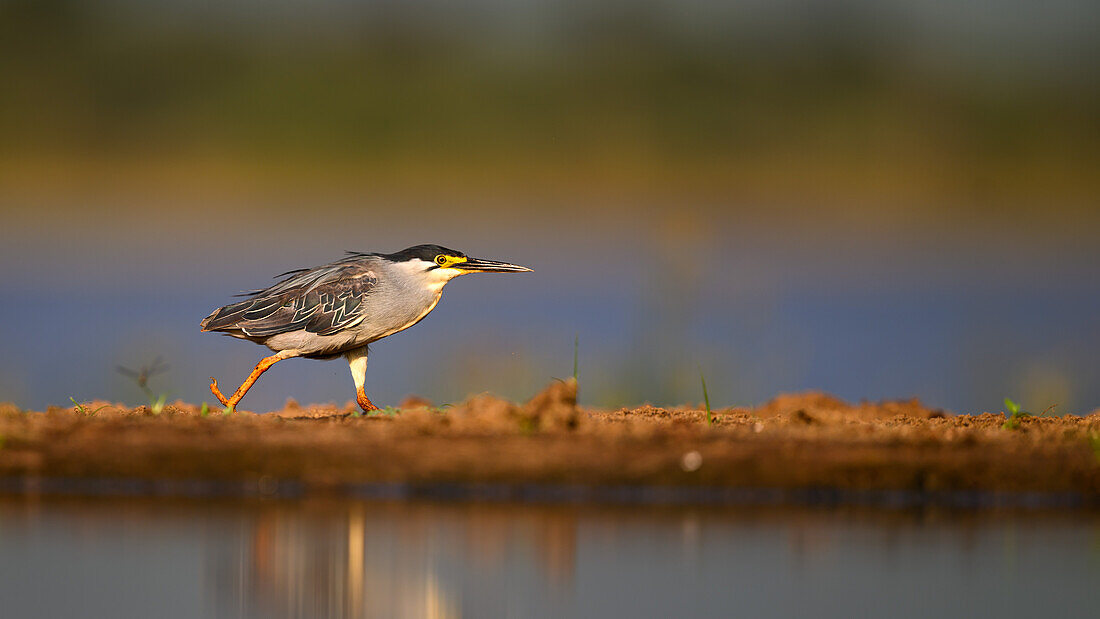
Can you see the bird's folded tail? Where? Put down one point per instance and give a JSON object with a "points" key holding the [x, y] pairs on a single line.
{"points": [[226, 318]]}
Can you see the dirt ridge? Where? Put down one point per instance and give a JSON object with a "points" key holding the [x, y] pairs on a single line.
{"points": [[795, 441]]}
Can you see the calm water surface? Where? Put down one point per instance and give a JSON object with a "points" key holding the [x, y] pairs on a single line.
{"points": [[341, 558]]}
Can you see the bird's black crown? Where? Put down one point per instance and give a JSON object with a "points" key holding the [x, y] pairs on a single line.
{"points": [[426, 253]]}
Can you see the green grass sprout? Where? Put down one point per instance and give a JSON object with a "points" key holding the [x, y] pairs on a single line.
{"points": [[205, 410], [576, 346], [576, 364], [1015, 415], [706, 398], [83, 410]]}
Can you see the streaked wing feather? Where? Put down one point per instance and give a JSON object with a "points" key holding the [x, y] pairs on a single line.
{"points": [[281, 321], [262, 308], [322, 301]]}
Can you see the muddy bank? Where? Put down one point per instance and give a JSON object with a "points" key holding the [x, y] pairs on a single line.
{"points": [[794, 442]]}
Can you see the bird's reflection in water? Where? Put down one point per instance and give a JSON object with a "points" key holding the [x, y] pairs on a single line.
{"points": [[392, 560], [155, 557]]}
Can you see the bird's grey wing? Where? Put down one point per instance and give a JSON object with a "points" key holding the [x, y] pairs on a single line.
{"points": [[323, 301]]}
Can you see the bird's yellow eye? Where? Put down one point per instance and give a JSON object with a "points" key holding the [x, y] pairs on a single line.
{"points": [[441, 260]]}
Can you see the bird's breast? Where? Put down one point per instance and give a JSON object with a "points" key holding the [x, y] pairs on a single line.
{"points": [[400, 313]]}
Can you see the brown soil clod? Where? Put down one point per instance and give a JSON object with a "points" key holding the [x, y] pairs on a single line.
{"points": [[554, 408]]}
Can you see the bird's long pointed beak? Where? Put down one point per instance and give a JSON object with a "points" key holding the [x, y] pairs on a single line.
{"points": [[478, 265]]}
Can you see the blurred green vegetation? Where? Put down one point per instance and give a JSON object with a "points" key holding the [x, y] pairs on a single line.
{"points": [[851, 98]]}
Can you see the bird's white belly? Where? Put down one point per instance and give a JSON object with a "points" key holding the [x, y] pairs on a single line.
{"points": [[306, 343]]}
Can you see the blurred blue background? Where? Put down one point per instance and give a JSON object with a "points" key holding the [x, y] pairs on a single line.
{"points": [[874, 199]]}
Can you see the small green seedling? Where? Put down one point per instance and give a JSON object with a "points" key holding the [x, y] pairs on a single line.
{"points": [[576, 345], [83, 410], [706, 398], [205, 410], [1015, 415], [576, 365]]}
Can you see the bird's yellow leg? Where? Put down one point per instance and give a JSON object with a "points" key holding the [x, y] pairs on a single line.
{"points": [[357, 362], [261, 367], [364, 401]]}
